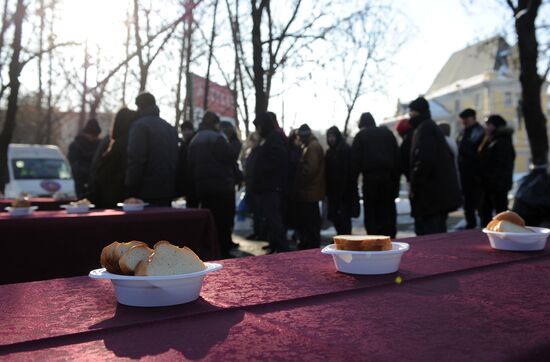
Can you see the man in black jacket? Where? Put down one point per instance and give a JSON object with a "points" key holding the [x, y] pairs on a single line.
{"points": [[469, 165], [152, 155], [434, 188], [269, 181], [343, 200], [211, 163], [81, 154], [375, 155]]}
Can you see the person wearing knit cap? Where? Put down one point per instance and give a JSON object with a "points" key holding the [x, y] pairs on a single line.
{"points": [[309, 186], [434, 190], [152, 155], [375, 155], [497, 157], [469, 165], [405, 131], [81, 154]]}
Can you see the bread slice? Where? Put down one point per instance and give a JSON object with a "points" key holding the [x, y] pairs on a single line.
{"points": [[505, 226], [363, 242], [132, 257], [169, 259], [106, 258], [511, 217]]}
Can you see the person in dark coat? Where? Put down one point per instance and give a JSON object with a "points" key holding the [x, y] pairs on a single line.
{"points": [[211, 162], [405, 131], [375, 155], [251, 197], [434, 190], [469, 165], [110, 168], [269, 181], [497, 157], [309, 186], [81, 154], [152, 155], [229, 130], [294, 155], [184, 180], [343, 200]]}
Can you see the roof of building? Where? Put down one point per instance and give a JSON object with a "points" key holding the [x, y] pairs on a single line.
{"points": [[486, 56]]}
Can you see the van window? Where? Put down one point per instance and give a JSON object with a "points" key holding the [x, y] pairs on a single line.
{"points": [[40, 168]]}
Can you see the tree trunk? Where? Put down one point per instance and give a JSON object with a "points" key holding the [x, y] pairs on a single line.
{"points": [[179, 107], [188, 109], [49, 114], [84, 95], [11, 111], [39, 136], [139, 48], [210, 53], [258, 70], [127, 48], [531, 82]]}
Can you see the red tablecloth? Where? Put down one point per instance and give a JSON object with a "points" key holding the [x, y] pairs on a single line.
{"points": [[54, 244], [459, 300], [43, 203]]}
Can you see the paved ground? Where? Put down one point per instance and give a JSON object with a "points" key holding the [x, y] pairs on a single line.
{"points": [[405, 227]]}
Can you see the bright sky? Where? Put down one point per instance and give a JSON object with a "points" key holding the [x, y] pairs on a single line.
{"points": [[438, 28]]}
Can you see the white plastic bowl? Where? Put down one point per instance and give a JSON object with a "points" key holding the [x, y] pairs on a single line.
{"points": [[179, 204], [77, 209], [159, 291], [132, 207], [21, 211], [367, 262], [518, 241]]}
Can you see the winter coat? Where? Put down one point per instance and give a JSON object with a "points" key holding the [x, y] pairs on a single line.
{"points": [[81, 154], [211, 162], [405, 154], [310, 174], [434, 184], [468, 155], [340, 183], [375, 153], [270, 168], [109, 175], [184, 179], [497, 157], [152, 158]]}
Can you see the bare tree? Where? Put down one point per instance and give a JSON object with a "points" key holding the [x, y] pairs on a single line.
{"points": [[525, 14], [210, 54]]}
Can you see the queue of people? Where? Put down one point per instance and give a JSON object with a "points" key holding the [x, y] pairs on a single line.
{"points": [[286, 178]]}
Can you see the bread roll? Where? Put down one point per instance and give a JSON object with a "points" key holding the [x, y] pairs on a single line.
{"points": [[363, 242], [169, 259], [510, 216]]}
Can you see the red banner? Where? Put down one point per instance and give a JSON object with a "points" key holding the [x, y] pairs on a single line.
{"points": [[220, 98]]}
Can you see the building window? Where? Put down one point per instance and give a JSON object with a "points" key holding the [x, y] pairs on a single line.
{"points": [[508, 99], [457, 105]]}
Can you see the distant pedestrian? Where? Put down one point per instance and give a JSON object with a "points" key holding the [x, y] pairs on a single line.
{"points": [[110, 168], [184, 179], [269, 181], [229, 130], [445, 128], [251, 197], [152, 155], [81, 154], [211, 161], [405, 131], [469, 165], [343, 200], [375, 156], [310, 189], [434, 188], [295, 154], [497, 156]]}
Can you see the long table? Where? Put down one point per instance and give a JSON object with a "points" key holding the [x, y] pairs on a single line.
{"points": [[43, 203], [54, 244], [453, 299]]}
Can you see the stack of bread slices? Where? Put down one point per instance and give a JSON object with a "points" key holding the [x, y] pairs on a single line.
{"points": [[363, 242], [136, 258], [508, 222]]}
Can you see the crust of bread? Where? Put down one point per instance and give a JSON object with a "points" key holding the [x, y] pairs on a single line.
{"points": [[130, 259], [363, 243], [492, 225], [510, 216], [106, 258], [168, 259], [505, 226]]}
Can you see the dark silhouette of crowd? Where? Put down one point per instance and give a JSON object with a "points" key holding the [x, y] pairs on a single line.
{"points": [[286, 178]]}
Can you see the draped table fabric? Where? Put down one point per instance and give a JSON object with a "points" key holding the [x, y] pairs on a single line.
{"points": [[54, 244], [43, 203], [453, 299]]}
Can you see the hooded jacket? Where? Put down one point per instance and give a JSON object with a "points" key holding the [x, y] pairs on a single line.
{"points": [[497, 157], [434, 183], [152, 157]]}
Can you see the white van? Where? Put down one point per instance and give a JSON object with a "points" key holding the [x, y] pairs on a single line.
{"points": [[38, 170]]}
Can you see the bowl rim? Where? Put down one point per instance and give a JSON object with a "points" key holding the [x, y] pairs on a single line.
{"points": [[537, 231], [402, 247], [102, 273], [69, 206], [30, 208]]}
